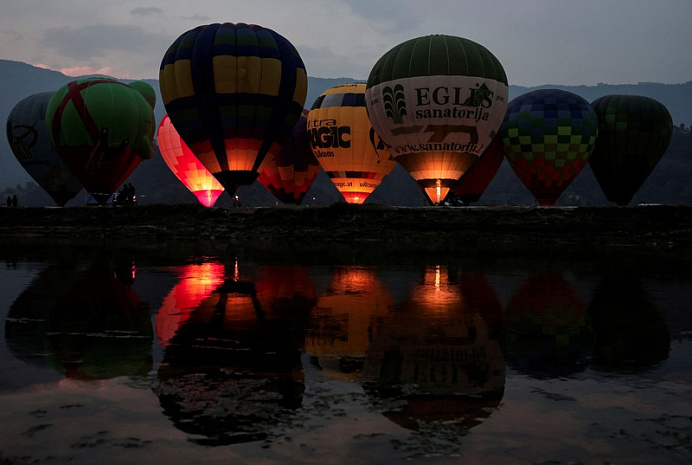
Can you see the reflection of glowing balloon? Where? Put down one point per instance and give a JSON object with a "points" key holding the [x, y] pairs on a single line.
{"points": [[28, 138], [631, 334], [548, 135], [338, 330], [244, 337], [289, 173], [633, 134], [438, 351], [185, 165], [438, 102], [345, 144], [102, 129], [197, 281], [474, 182], [548, 330], [234, 92]]}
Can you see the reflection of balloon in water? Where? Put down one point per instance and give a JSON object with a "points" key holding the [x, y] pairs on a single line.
{"points": [[185, 165], [338, 329], [289, 173], [633, 134], [438, 102], [196, 282], [345, 144], [28, 138], [547, 328], [242, 343], [102, 129], [630, 333], [92, 324], [438, 352], [234, 92], [549, 135], [474, 182]]}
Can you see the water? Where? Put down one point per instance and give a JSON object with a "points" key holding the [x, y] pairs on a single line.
{"points": [[168, 355]]}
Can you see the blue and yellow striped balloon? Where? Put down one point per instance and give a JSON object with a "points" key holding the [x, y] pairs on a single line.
{"points": [[234, 93]]}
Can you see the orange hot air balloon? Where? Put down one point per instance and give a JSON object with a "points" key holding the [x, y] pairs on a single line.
{"points": [[289, 173], [185, 165], [345, 144]]}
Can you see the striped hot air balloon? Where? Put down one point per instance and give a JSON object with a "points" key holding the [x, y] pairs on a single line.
{"points": [[345, 143], [185, 165], [290, 173], [234, 92]]}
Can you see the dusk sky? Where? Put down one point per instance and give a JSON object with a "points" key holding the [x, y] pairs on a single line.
{"points": [[537, 41]]}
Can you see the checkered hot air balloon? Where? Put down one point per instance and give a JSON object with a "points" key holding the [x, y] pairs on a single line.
{"points": [[234, 92], [548, 135]]}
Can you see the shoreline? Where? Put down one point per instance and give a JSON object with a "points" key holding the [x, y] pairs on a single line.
{"points": [[658, 230]]}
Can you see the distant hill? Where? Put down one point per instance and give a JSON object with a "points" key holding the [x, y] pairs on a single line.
{"points": [[156, 184]]}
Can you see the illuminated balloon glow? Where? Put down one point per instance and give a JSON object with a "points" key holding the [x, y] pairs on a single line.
{"points": [[634, 133], [234, 92], [28, 138], [290, 173], [437, 101], [102, 129], [185, 165], [548, 135], [345, 144]]}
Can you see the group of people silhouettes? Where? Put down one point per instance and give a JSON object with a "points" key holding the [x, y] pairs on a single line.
{"points": [[12, 201]]}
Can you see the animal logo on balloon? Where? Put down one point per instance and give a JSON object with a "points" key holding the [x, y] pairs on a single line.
{"points": [[437, 101]]}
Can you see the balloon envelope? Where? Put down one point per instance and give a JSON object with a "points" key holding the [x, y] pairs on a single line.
{"points": [[345, 144], [185, 165], [548, 135], [437, 101], [28, 138], [102, 129], [476, 180], [234, 92], [634, 133], [290, 173]]}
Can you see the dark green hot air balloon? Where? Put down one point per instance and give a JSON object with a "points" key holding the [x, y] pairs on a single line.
{"points": [[634, 133]]}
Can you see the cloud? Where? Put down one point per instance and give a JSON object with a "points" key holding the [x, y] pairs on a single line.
{"points": [[93, 40], [145, 11]]}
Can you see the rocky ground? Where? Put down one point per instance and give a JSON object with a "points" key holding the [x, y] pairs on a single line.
{"points": [[656, 230]]}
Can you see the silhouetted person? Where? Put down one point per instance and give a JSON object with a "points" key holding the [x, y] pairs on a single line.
{"points": [[9, 201], [15, 201]]}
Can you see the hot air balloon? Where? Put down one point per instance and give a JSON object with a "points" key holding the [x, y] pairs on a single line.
{"points": [[438, 102], [28, 138], [345, 144], [548, 135], [185, 165], [634, 133], [474, 182], [290, 173], [234, 92], [102, 129]]}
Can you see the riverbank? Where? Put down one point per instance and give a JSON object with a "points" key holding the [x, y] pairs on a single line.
{"points": [[660, 230]]}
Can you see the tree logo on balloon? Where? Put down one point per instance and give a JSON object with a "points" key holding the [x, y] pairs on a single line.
{"points": [[395, 102]]}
